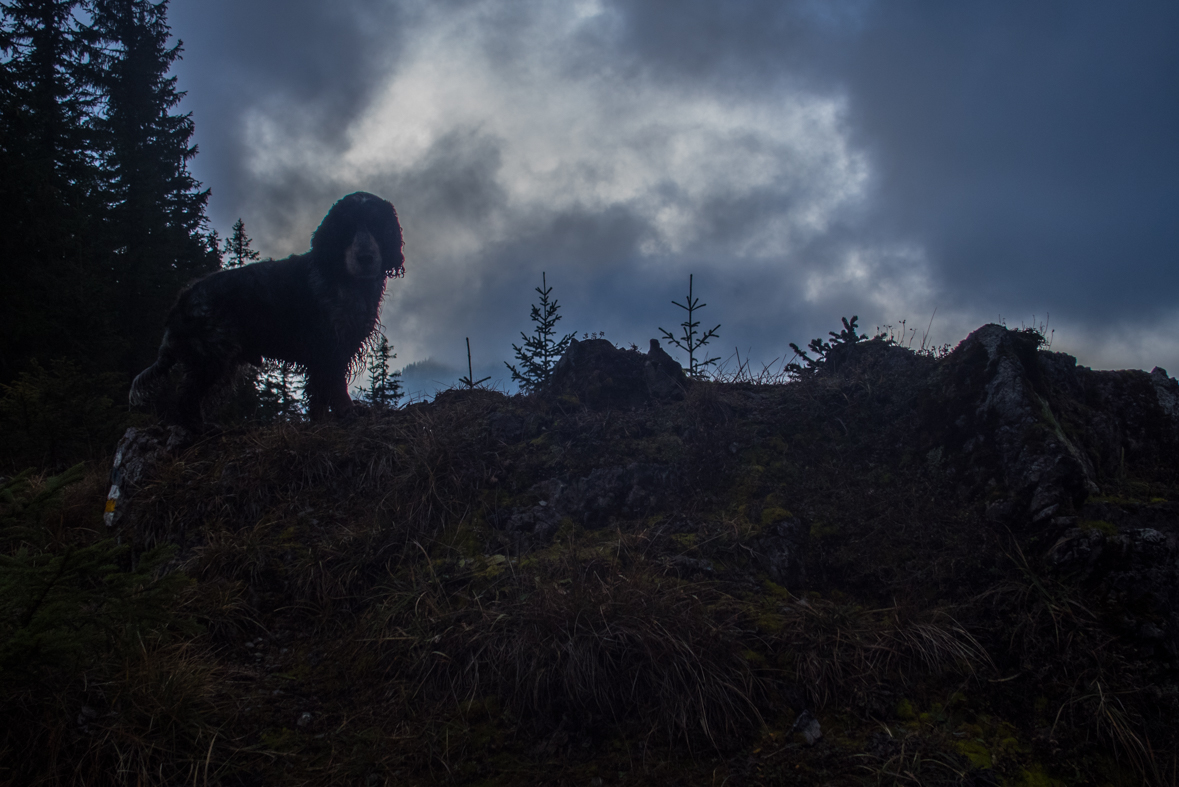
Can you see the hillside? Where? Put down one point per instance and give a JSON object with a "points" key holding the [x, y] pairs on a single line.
{"points": [[897, 568]]}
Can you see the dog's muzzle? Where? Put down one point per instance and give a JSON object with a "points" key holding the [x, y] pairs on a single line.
{"points": [[363, 256]]}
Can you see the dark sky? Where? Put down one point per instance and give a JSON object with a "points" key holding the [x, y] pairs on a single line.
{"points": [[804, 160]]}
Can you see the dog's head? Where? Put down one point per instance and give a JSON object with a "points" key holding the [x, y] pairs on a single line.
{"points": [[360, 237]]}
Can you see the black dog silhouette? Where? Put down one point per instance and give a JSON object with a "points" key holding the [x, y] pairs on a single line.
{"points": [[316, 310]]}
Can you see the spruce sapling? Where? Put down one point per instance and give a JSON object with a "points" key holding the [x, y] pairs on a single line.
{"points": [[541, 350], [470, 380], [691, 341], [384, 387]]}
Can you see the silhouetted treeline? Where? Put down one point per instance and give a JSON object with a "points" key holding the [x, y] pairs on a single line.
{"points": [[101, 221]]}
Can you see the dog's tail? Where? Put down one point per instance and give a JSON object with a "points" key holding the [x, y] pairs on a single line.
{"points": [[146, 385]]}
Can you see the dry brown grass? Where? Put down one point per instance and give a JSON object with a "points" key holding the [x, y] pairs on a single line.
{"points": [[587, 646], [838, 653], [355, 577]]}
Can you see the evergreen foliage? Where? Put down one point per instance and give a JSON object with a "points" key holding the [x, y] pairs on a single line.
{"points": [[51, 416], [278, 392], [155, 208], [691, 341], [821, 348], [102, 219], [54, 282], [542, 349], [237, 250], [66, 606], [384, 387]]}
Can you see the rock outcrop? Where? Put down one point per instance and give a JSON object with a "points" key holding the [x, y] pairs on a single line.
{"points": [[1030, 432], [992, 412], [1042, 442], [601, 376]]}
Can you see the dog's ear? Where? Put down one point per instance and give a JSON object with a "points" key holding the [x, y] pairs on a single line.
{"points": [[389, 238], [333, 234]]}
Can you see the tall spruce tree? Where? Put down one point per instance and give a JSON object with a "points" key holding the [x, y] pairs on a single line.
{"points": [[52, 301], [155, 207], [101, 217]]}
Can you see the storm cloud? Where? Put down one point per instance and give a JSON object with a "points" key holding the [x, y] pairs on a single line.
{"points": [[803, 160]]}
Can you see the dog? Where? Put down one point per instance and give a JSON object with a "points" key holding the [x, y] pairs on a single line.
{"points": [[316, 310]]}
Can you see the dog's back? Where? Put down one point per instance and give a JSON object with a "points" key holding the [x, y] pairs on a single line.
{"points": [[267, 309]]}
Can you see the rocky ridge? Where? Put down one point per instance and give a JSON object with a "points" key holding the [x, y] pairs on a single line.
{"points": [[963, 495]]}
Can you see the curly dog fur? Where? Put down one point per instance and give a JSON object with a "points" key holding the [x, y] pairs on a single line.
{"points": [[316, 310]]}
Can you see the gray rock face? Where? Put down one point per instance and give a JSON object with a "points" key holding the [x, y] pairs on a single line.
{"points": [[1167, 390], [1136, 570], [1037, 433], [1004, 428], [137, 452]]}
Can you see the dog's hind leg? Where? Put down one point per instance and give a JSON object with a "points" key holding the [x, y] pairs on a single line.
{"points": [[201, 376], [146, 385]]}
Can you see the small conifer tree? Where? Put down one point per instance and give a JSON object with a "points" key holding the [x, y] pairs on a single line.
{"points": [[277, 397], [692, 340], [469, 381], [384, 386], [820, 348], [237, 251], [541, 350]]}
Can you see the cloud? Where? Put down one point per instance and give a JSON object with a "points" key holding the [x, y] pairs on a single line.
{"points": [[806, 160], [505, 160]]}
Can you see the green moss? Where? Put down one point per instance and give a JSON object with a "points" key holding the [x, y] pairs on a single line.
{"points": [[977, 752], [1101, 525], [754, 658], [1035, 777], [280, 740], [770, 515], [777, 591], [565, 530], [770, 623], [905, 710], [823, 529]]}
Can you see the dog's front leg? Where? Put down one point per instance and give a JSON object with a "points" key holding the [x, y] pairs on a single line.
{"points": [[327, 387], [338, 398]]}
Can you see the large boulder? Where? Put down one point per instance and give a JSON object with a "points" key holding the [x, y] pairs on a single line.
{"points": [[992, 416], [137, 453], [1024, 429], [601, 376]]}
